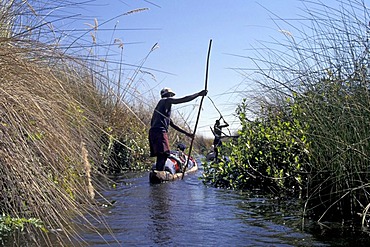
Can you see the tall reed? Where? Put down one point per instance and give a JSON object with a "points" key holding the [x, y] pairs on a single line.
{"points": [[323, 66], [57, 113]]}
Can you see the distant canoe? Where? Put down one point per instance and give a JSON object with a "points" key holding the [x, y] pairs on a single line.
{"points": [[157, 177]]}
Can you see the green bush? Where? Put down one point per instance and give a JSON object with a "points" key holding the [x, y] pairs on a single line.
{"points": [[271, 153], [9, 224]]}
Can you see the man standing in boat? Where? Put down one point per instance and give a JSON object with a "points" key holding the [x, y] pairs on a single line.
{"points": [[217, 132], [161, 120]]}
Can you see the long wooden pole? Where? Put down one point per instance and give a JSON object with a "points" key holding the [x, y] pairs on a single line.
{"points": [[200, 108]]}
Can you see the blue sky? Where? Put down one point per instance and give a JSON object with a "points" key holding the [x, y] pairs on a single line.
{"points": [[182, 29]]}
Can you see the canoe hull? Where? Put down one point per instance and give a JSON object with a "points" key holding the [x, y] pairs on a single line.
{"points": [[157, 177]]}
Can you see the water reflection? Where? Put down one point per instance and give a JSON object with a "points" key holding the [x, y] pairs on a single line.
{"points": [[160, 211], [187, 213]]}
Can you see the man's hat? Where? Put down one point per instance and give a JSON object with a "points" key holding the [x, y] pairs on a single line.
{"points": [[167, 92]]}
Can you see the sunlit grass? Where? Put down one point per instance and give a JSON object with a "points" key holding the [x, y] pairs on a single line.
{"points": [[63, 118], [322, 65]]}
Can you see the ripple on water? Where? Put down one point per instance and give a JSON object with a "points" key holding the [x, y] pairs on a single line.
{"points": [[187, 213]]}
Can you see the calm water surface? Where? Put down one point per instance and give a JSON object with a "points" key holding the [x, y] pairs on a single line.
{"points": [[187, 213]]}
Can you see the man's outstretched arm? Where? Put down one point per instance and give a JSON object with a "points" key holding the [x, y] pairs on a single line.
{"points": [[187, 98], [173, 125]]}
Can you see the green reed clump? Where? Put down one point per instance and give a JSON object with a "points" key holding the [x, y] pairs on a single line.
{"points": [[323, 67], [339, 107], [318, 140]]}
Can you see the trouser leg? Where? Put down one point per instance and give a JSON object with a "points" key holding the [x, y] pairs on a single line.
{"points": [[161, 161], [216, 153]]}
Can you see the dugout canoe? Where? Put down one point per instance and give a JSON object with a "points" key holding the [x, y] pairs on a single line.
{"points": [[157, 177]]}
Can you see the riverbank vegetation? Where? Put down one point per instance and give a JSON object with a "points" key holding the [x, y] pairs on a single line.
{"points": [[69, 118], [306, 133], [66, 122]]}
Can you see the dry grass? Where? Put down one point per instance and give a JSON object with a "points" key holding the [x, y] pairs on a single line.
{"points": [[64, 119], [42, 129], [57, 112]]}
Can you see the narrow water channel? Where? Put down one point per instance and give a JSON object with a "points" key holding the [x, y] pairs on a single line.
{"points": [[187, 213]]}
